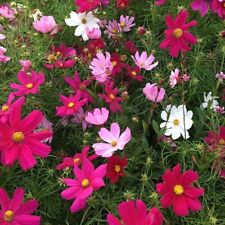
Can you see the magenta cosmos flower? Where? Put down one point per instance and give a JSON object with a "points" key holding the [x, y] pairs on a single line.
{"points": [[101, 67], [29, 83], [18, 141], [86, 5], [218, 6], [177, 190], [202, 6], [143, 61], [111, 97], [46, 24], [135, 213], [98, 117], [177, 36], [88, 179], [7, 108], [71, 105], [77, 159], [16, 212], [61, 57], [114, 140], [154, 93], [80, 86], [160, 2]]}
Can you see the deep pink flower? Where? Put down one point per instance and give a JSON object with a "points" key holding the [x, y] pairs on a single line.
{"points": [[7, 11], [122, 4], [111, 98], [3, 57], [134, 73], [80, 86], [131, 47], [98, 117], [16, 212], [160, 2], [7, 108], [18, 141], [202, 6], [143, 61], [218, 6], [101, 67], [117, 63], [177, 190], [86, 5], [61, 57], [46, 24], [77, 159], [30, 83], [135, 213], [154, 93], [177, 36], [71, 105], [114, 140], [88, 179]]}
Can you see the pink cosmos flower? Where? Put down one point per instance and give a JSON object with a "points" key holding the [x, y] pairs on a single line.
{"points": [[98, 117], [174, 78], [177, 36], [3, 58], [16, 212], [126, 23], [218, 6], [93, 33], [79, 118], [135, 213], [30, 83], [77, 159], [114, 140], [143, 61], [160, 2], [86, 5], [113, 29], [177, 190], [101, 67], [61, 57], [18, 141], [7, 12], [26, 64], [154, 93], [2, 37], [111, 98], [7, 108], [202, 6], [88, 179], [46, 24], [80, 86], [71, 105]]}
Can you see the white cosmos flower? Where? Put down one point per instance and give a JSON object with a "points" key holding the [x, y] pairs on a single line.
{"points": [[178, 121], [210, 100], [82, 21]]}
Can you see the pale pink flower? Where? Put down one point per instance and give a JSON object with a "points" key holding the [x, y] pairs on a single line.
{"points": [[154, 93], [98, 117], [126, 23], [46, 24], [26, 64], [7, 12], [114, 141], [93, 33], [101, 67], [3, 58], [143, 61], [174, 78]]}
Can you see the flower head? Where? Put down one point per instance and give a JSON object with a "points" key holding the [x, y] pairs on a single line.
{"points": [[7, 11], [177, 190], [15, 211], [87, 5], [210, 101], [87, 179], [202, 6], [174, 78], [98, 117], [126, 23], [218, 6], [3, 57], [177, 36], [154, 93], [114, 140], [93, 33], [135, 212]]}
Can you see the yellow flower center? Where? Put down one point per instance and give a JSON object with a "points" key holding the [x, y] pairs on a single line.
{"points": [[52, 58], [122, 24], [29, 85], [178, 189], [176, 122], [84, 21], [122, 5], [8, 216], [117, 168], [82, 87], [222, 141], [5, 108], [76, 160], [71, 105], [112, 96], [114, 143], [134, 73], [177, 33], [114, 31], [18, 137], [85, 183], [114, 63]]}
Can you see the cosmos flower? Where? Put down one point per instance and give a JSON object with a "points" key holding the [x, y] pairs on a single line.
{"points": [[3, 57], [174, 78], [154, 93], [210, 101], [218, 6], [86, 5], [202, 6], [98, 117], [126, 23]]}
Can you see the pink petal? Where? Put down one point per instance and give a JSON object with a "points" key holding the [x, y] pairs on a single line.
{"points": [[28, 207], [78, 205], [17, 199], [4, 200], [112, 220], [28, 220]]}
